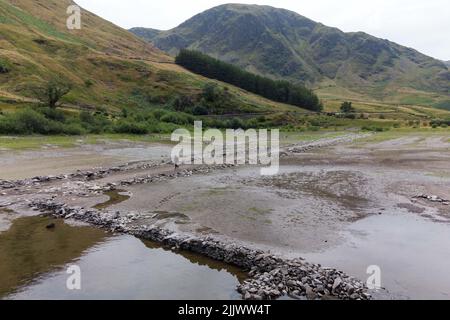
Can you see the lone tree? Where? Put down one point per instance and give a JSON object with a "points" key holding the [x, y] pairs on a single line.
{"points": [[347, 107], [52, 92]]}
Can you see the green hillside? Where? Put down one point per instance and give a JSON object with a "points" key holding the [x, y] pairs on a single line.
{"points": [[107, 66], [122, 84], [284, 45]]}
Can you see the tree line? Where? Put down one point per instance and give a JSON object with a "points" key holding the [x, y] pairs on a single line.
{"points": [[276, 90]]}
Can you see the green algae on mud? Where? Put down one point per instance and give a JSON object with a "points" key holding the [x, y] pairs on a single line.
{"points": [[28, 249], [38, 142]]}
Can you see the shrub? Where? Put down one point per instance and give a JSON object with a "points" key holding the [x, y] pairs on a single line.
{"points": [[74, 129], [159, 113], [88, 83], [347, 107], [94, 123], [252, 123], [374, 129], [236, 123], [125, 126], [200, 111], [211, 92], [261, 119], [162, 127], [25, 121], [439, 122], [53, 114], [182, 103], [177, 118], [4, 66], [101, 110], [51, 92], [87, 117]]}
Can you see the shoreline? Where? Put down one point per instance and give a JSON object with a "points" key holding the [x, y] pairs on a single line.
{"points": [[279, 274], [270, 276]]}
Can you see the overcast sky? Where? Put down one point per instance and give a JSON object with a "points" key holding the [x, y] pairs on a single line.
{"points": [[420, 24]]}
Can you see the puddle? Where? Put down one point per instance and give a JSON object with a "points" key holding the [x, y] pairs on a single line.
{"points": [[34, 261], [412, 252], [115, 197], [178, 218], [28, 249], [206, 230], [411, 208]]}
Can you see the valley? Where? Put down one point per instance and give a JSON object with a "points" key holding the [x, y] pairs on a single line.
{"points": [[88, 179]]}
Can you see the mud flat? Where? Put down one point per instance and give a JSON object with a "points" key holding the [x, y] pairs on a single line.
{"points": [[374, 202], [55, 161]]}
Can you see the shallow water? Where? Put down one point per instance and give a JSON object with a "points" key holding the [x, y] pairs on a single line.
{"points": [[35, 261], [26, 164], [28, 249], [115, 197], [412, 252], [328, 215]]}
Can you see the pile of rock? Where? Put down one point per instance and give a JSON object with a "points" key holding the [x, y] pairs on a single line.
{"points": [[6, 184], [204, 169], [103, 172], [327, 142], [270, 276], [300, 280], [78, 175], [433, 198]]}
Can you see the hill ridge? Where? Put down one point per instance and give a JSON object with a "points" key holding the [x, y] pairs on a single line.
{"points": [[286, 45], [108, 66]]}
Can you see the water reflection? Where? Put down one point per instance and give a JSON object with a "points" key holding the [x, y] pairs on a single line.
{"points": [[34, 262], [115, 197], [28, 249]]}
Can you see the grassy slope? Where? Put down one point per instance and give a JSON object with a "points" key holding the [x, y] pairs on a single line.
{"points": [[124, 70]]}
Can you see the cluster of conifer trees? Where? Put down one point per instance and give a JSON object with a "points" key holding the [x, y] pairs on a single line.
{"points": [[276, 90]]}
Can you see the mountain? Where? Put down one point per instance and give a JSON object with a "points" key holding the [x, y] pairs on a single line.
{"points": [[107, 66], [447, 63], [145, 33], [283, 44]]}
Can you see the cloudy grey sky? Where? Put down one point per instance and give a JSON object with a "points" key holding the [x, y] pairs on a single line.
{"points": [[420, 24]]}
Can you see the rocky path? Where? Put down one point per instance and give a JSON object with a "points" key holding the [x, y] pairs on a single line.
{"points": [[327, 142]]}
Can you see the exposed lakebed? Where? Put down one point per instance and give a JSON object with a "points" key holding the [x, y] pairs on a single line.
{"points": [[347, 208]]}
